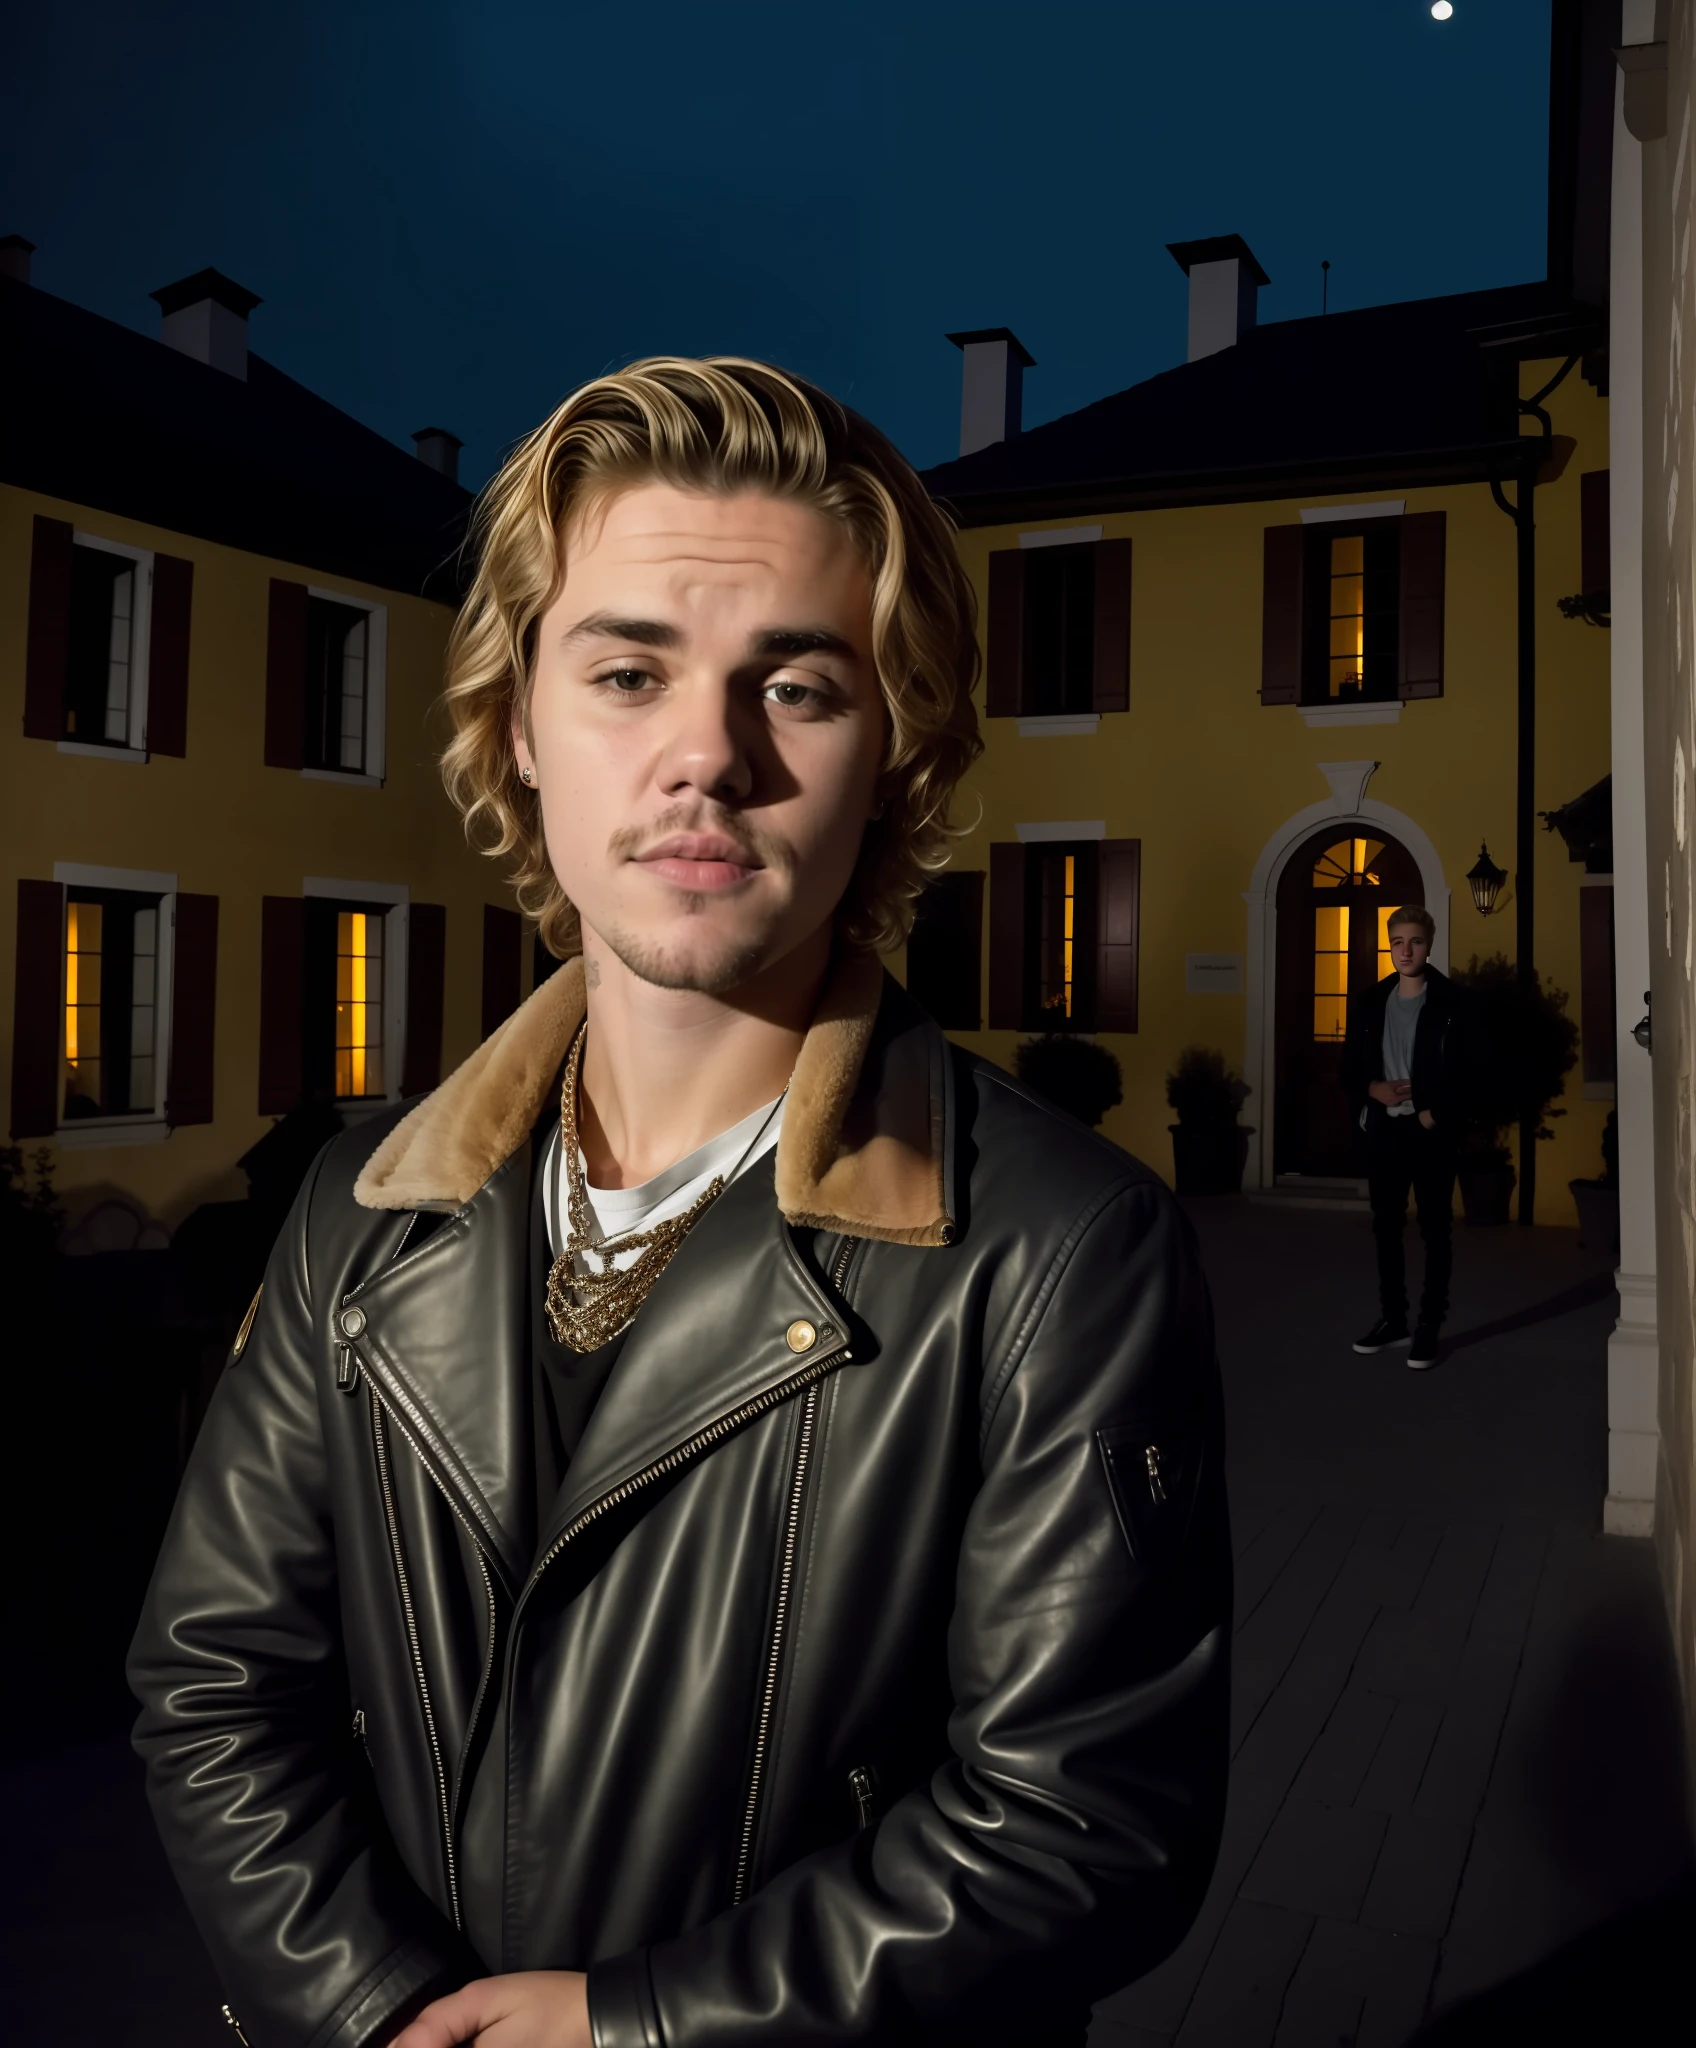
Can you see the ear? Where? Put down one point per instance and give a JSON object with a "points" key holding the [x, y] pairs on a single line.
{"points": [[520, 746]]}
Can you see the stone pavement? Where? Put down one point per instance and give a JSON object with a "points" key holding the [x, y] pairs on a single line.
{"points": [[1456, 1739], [1456, 1732]]}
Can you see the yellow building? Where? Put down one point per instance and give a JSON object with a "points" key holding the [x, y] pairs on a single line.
{"points": [[232, 880], [1252, 645]]}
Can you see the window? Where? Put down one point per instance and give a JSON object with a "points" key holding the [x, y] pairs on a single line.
{"points": [[112, 989], [1059, 630], [1355, 577], [1353, 611], [103, 657], [325, 665], [344, 1009], [338, 659], [1063, 934], [1350, 864]]}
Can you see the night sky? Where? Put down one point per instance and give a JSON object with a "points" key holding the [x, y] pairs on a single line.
{"points": [[456, 213]]}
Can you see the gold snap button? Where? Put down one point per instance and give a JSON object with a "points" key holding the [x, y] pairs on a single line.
{"points": [[801, 1336]]}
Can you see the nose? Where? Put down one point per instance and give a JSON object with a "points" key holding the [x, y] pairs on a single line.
{"points": [[704, 749]]}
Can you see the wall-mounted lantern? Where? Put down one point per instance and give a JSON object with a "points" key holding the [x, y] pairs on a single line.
{"points": [[1485, 880]]}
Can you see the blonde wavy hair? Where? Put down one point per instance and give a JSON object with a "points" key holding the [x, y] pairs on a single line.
{"points": [[723, 424]]}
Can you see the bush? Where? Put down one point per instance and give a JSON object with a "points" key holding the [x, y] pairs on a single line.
{"points": [[1529, 1046], [30, 1215], [1205, 1092], [1082, 1079]]}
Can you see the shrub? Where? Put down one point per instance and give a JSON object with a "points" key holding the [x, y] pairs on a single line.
{"points": [[1529, 1046], [1205, 1092], [1082, 1079]]}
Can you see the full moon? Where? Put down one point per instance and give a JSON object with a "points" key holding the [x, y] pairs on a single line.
{"points": [[1442, 9]]}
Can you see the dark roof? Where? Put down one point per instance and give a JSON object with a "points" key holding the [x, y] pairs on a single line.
{"points": [[105, 417], [1421, 392]]}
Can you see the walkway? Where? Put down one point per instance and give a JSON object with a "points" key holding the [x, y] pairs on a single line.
{"points": [[1455, 1730]]}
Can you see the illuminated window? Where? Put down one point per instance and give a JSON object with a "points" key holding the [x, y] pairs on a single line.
{"points": [[1057, 914], [359, 1003], [1330, 972], [1385, 964], [111, 1003], [1348, 615], [1351, 634], [1349, 861]]}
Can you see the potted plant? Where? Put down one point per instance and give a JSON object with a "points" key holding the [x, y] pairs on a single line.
{"points": [[1075, 1074], [1528, 1046], [1209, 1146], [1597, 1201]]}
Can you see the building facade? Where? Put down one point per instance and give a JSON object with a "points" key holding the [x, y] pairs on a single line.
{"points": [[233, 882]]}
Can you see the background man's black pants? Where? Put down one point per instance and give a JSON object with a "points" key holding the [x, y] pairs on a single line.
{"points": [[1402, 1154]]}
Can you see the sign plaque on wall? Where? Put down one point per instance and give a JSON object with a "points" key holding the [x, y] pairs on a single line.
{"points": [[1215, 974]]}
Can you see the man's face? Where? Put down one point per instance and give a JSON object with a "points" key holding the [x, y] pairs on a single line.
{"points": [[1409, 948], [707, 729]]}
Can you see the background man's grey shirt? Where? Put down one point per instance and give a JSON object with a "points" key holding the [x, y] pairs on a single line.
{"points": [[1401, 1021]]}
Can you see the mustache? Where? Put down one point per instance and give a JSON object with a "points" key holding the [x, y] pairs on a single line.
{"points": [[629, 842]]}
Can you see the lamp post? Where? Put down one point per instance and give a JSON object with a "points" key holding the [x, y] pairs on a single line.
{"points": [[1485, 879]]}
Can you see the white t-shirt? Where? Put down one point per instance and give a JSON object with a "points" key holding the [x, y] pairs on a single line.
{"points": [[618, 1210]]}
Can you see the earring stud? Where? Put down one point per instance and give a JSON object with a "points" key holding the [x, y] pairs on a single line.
{"points": [[527, 776]]}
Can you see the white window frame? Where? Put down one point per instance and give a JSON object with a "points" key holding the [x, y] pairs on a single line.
{"points": [[397, 920], [141, 633], [142, 1127], [376, 695]]}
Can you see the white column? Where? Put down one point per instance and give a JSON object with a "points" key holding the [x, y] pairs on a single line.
{"points": [[1633, 1352]]}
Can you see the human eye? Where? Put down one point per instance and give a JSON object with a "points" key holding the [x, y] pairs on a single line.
{"points": [[625, 681], [789, 693]]}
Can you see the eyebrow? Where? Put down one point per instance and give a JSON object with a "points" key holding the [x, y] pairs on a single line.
{"points": [[786, 642]]}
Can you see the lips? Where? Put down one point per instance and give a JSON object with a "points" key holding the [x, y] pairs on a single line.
{"points": [[699, 861]]}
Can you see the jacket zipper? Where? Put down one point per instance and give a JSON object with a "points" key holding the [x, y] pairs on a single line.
{"points": [[860, 1784], [380, 1435], [780, 1616]]}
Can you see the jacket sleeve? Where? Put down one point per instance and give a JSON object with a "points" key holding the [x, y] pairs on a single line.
{"points": [[1065, 1845], [319, 1937]]}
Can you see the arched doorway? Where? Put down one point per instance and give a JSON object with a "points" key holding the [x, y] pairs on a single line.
{"points": [[1335, 897]]}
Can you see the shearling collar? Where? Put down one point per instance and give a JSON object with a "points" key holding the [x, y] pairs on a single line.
{"points": [[862, 1148]]}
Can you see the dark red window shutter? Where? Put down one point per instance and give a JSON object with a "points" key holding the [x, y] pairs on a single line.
{"points": [[1281, 614], [37, 987], [1596, 1024], [49, 638], [1119, 888], [1005, 640], [1423, 544], [282, 969], [285, 676], [426, 974], [167, 661], [503, 955], [1112, 625], [1007, 937], [194, 1009], [1595, 571], [945, 950]]}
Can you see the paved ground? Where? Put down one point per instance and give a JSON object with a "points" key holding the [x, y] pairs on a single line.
{"points": [[1456, 1737], [1456, 1740]]}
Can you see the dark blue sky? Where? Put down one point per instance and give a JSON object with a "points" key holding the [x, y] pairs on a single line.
{"points": [[454, 213]]}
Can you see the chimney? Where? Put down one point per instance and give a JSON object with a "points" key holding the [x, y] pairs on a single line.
{"points": [[991, 385], [15, 253], [1224, 278], [206, 317], [439, 450]]}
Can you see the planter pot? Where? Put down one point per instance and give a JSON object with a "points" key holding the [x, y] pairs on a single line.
{"points": [[1209, 1162], [1484, 1191], [1597, 1203]]}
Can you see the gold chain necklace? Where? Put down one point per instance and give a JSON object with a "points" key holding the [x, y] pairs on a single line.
{"points": [[589, 1308]]}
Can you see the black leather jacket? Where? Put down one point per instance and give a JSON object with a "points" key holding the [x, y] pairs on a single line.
{"points": [[866, 1682]]}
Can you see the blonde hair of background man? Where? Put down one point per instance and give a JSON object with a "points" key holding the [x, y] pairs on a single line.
{"points": [[723, 424]]}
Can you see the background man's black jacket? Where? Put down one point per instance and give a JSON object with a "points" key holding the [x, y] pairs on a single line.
{"points": [[868, 1680], [1447, 1054]]}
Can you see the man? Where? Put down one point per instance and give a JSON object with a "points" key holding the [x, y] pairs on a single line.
{"points": [[1405, 1066], [714, 1533]]}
